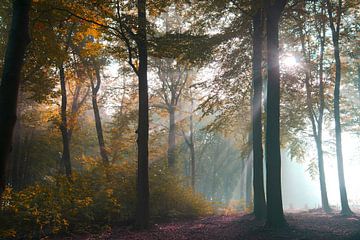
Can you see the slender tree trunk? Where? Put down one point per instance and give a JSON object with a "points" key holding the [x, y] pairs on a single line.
{"points": [[192, 152], [275, 214], [171, 138], [258, 178], [142, 206], [248, 184], [213, 183], [345, 209], [99, 130], [74, 112], [316, 124], [324, 197], [65, 162], [76, 105], [10, 81], [190, 143], [65, 157]]}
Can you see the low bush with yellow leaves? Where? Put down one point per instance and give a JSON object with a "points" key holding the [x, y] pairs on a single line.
{"points": [[95, 198]]}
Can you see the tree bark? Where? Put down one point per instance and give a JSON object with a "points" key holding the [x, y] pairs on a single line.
{"points": [[142, 206], [65, 157], [275, 214], [248, 184], [9, 88], [258, 171], [171, 138], [345, 209], [99, 130]]}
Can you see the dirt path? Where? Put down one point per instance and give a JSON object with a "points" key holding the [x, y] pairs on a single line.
{"points": [[302, 226]]}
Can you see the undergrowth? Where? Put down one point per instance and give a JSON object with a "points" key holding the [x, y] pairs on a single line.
{"points": [[94, 199]]}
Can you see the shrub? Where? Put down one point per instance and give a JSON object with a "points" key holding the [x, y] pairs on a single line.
{"points": [[95, 198]]}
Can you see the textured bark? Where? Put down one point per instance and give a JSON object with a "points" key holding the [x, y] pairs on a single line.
{"points": [[275, 214], [98, 124], [258, 171], [345, 209], [10, 81], [142, 205]]}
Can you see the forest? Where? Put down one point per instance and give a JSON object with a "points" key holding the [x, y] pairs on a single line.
{"points": [[180, 119]]}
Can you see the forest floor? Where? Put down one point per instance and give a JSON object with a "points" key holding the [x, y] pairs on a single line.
{"points": [[310, 225]]}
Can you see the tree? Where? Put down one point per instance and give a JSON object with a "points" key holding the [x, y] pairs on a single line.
{"points": [[189, 140], [275, 214], [64, 128], [316, 120], [99, 131], [258, 172], [10, 81], [142, 205], [335, 32], [173, 77]]}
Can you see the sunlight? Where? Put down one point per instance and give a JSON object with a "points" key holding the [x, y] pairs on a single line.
{"points": [[289, 61], [351, 149]]}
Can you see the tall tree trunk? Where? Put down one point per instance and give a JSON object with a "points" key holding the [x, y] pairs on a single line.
{"points": [[316, 123], [99, 130], [65, 162], [248, 184], [192, 151], [258, 178], [142, 206], [171, 138], [10, 81], [345, 209], [65, 157], [190, 143], [275, 214], [323, 189]]}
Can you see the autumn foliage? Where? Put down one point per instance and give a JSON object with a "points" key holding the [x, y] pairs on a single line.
{"points": [[97, 198]]}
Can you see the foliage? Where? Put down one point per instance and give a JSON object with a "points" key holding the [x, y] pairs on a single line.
{"points": [[168, 198], [96, 198]]}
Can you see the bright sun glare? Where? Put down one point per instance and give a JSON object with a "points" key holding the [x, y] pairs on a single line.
{"points": [[289, 61]]}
